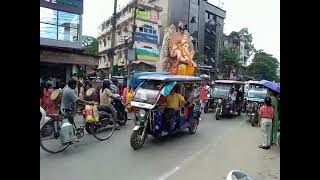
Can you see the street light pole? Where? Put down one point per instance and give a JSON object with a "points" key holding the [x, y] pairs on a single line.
{"points": [[113, 37]]}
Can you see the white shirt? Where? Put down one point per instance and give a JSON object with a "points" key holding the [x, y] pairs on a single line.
{"points": [[233, 96]]}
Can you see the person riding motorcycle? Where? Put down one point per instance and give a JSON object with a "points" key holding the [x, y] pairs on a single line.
{"points": [[105, 103]]}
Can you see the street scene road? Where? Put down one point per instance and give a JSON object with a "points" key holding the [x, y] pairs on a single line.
{"points": [[215, 149]]}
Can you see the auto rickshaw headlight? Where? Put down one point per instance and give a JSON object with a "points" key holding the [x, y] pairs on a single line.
{"points": [[142, 113]]}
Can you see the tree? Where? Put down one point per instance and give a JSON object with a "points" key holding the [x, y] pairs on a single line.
{"points": [[247, 37], [199, 58], [229, 60], [90, 44], [264, 66]]}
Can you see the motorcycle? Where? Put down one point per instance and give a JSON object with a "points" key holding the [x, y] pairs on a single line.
{"points": [[210, 104], [252, 111]]}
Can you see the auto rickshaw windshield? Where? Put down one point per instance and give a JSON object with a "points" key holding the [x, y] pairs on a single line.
{"points": [[257, 92], [148, 92], [221, 89]]}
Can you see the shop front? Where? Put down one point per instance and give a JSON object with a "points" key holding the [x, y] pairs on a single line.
{"points": [[61, 64]]}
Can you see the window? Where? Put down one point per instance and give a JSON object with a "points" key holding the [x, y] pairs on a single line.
{"points": [[59, 25], [104, 42], [147, 29]]}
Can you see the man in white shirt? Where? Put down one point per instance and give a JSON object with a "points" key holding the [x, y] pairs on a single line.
{"points": [[233, 96]]}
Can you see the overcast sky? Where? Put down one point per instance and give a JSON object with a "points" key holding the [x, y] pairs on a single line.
{"points": [[261, 17]]}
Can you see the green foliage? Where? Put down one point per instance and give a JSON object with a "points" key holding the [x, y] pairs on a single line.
{"points": [[229, 60], [90, 44], [82, 72], [264, 66], [115, 70], [199, 58]]}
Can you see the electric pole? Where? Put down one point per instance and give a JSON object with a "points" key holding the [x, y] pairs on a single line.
{"points": [[113, 37], [217, 50], [132, 40]]}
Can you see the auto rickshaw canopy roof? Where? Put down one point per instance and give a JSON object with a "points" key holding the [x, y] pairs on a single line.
{"points": [[229, 82], [167, 78], [253, 82]]}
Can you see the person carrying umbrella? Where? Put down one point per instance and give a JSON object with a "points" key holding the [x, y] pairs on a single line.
{"points": [[273, 91], [276, 119]]}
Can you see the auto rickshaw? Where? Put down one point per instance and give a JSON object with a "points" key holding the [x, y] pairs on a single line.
{"points": [[222, 96], [254, 96], [152, 117]]}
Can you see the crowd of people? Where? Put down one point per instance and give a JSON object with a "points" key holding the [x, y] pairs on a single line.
{"points": [[90, 91], [83, 91]]}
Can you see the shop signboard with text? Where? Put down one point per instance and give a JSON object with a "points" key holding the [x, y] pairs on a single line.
{"points": [[146, 37]]}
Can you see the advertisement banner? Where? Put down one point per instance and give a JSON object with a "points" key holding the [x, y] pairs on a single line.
{"points": [[140, 36], [148, 15], [147, 54], [144, 15]]}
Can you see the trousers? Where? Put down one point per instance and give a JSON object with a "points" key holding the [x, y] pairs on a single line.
{"points": [[266, 127]]}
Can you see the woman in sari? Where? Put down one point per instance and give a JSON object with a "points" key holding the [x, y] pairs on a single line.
{"points": [[276, 119]]}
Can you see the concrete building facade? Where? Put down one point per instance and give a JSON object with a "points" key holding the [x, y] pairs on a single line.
{"points": [[204, 21], [147, 39], [61, 53]]}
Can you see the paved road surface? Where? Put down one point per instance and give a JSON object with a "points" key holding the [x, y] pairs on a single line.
{"points": [[115, 159]]}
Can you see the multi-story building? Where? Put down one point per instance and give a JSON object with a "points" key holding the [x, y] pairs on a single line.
{"points": [[204, 21], [238, 42], [147, 38], [61, 53]]}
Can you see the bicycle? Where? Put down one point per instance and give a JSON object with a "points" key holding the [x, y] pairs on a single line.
{"points": [[50, 131]]}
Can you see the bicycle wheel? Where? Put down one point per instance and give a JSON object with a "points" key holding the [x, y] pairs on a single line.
{"points": [[50, 138], [101, 131]]}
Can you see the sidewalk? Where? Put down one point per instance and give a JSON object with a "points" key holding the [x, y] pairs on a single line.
{"points": [[238, 149]]}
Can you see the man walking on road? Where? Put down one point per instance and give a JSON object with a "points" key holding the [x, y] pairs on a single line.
{"points": [[266, 113]]}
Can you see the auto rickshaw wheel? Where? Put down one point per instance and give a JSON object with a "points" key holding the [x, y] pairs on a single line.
{"points": [[136, 141], [217, 115], [252, 121], [194, 126], [239, 112]]}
